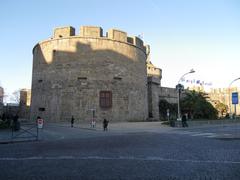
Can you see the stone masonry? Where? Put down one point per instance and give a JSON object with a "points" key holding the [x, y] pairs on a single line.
{"points": [[89, 75]]}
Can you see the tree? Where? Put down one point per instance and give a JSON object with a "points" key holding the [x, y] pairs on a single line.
{"points": [[221, 108], [197, 105], [15, 96], [163, 106]]}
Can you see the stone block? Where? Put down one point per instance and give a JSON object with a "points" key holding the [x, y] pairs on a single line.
{"points": [[91, 31], [130, 40], [137, 42], [117, 35], [64, 32], [147, 48]]}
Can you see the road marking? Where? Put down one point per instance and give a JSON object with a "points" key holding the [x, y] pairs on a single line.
{"points": [[116, 158], [208, 135], [203, 134]]}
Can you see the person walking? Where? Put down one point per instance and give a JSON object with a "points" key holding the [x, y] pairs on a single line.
{"points": [[93, 123], [184, 121], [72, 121], [16, 123], [105, 125]]}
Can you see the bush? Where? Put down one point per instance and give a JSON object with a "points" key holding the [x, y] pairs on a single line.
{"points": [[5, 124]]}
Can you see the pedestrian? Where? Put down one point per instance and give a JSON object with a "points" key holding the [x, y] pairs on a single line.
{"points": [[93, 124], [4, 117], [16, 123], [72, 121], [105, 125], [184, 121]]}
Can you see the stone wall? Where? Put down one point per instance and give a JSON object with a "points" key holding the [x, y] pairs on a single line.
{"points": [[64, 32], [70, 71], [24, 105], [169, 94], [157, 93], [153, 97]]}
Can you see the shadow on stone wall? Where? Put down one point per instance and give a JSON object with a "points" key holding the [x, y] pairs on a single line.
{"points": [[108, 68]]}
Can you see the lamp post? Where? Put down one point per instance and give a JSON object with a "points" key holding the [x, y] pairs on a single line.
{"points": [[179, 88], [229, 90]]}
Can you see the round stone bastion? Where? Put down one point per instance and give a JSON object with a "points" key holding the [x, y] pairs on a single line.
{"points": [[89, 76]]}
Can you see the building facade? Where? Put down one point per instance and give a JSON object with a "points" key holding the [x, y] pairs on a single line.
{"points": [[24, 103], [1, 95], [1, 100], [224, 95]]}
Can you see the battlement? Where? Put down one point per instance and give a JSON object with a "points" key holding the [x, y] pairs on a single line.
{"points": [[64, 32], [97, 32], [91, 31], [117, 35]]}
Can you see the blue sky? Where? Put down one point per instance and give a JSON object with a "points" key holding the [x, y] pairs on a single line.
{"points": [[183, 34]]}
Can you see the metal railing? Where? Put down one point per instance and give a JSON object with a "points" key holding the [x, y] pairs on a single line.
{"points": [[25, 131]]}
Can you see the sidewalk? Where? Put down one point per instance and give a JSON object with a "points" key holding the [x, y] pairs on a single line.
{"points": [[63, 130], [193, 123], [117, 127]]}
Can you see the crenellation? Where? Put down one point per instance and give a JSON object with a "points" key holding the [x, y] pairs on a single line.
{"points": [[97, 32], [62, 32], [147, 49], [137, 42], [117, 35], [91, 31], [130, 40]]}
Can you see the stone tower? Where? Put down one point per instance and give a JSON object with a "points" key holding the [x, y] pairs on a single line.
{"points": [[89, 75]]}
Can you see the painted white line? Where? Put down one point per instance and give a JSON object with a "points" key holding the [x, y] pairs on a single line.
{"points": [[212, 136], [132, 158], [203, 134]]}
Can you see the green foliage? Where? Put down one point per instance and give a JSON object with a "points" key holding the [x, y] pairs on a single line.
{"points": [[197, 105], [222, 108], [163, 106], [4, 124]]}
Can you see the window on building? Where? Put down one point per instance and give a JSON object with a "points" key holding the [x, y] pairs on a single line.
{"points": [[117, 78], [82, 78], [41, 109], [105, 99]]}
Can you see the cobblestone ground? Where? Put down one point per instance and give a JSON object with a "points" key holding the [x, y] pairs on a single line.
{"points": [[144, 151]]}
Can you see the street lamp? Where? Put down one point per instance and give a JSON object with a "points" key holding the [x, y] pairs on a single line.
{"points": [[229, 90], [179, 88]]}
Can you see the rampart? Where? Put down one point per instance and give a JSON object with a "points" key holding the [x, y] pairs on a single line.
{"points": [[97, 32]]}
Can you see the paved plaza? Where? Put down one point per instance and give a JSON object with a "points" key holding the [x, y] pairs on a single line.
{"points": [[147, 150]]}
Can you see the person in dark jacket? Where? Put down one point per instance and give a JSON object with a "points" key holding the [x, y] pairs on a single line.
{"points": [[105, 125], [72, 121], [16, 123], [184, 121]]}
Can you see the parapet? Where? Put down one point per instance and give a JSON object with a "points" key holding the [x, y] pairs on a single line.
{"points": [[153, 71], [147, 47], [97, 32], [135, 41], [117, 35], [64, 32], [91, 31]]}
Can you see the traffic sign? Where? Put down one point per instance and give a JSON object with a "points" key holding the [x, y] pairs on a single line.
{"points": [[235, 98], [40, 123]]}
